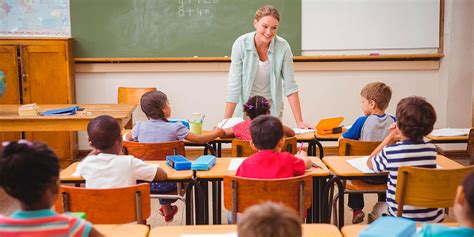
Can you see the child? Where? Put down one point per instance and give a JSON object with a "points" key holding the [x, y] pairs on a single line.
{"points": [[29, 172], [415, 119], [157, 129], [463, 211], [107, 168], [269, 162], [255, 106], [373, 126], [269, 219]]}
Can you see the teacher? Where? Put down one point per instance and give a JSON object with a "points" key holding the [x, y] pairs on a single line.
{"points": [[262, 64]]}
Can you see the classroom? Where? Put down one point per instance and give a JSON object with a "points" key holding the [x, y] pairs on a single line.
{"points": [[82, 51]]}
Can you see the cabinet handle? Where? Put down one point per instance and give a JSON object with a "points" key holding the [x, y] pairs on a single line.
{"points": [[24, 77]]}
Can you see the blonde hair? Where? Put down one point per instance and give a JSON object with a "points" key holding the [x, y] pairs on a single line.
{"points": [[378, 92], [267, 10], [269, 219]]}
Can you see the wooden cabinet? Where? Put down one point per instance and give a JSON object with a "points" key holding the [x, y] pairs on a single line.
{"points": [[40, 71]]}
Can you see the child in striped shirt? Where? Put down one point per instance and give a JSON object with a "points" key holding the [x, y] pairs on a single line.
{"points": [[415, 119], [29, 172]]}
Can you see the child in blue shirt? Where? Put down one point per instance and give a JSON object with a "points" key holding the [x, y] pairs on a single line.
{"points": [[157, 129], [463, 210], [373, 126]]}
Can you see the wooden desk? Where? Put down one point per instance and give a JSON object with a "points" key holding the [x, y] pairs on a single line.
{"points": [[344, 171], [455, 139], [10, 121], [314, 140], [216, 174], [124, 230], [354, 230], [309, 230]]}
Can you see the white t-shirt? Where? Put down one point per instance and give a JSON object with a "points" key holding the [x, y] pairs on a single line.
{"points": [[114, 171], [261, 85]]}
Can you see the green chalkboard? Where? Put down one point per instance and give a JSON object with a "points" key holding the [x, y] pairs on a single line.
{"points": [[172, 28]]}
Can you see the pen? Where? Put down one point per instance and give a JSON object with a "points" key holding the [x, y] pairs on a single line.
{"points": [[301, 147], [315, 165]]}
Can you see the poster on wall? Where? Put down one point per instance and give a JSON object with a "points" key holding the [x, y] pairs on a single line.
{"points": [[35, 18]]}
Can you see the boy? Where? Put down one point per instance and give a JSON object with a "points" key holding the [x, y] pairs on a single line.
{"points": [[269, 219], [105, 167], [269, 162], [29, 172], [373, 126], [415, 119]]}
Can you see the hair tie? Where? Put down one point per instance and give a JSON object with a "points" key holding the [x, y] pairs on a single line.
{"points": [[21, 141], [247, 106]]}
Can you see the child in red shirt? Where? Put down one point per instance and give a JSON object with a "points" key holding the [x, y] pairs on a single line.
{"points": [[269, 162], [255, 106]]}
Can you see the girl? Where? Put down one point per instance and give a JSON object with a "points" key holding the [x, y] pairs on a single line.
{"points": [[157, 129], [255, 106], [29, 172]]}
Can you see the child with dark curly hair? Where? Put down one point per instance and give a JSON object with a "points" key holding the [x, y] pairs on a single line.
{"points": [[404, 146], [29, 172], [254, 107]]}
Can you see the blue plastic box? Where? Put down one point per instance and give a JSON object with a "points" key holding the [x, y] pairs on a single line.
{"points": [[389, 226], [178, 162], [204, 163]]}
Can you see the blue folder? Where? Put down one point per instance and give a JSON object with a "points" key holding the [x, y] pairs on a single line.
{"points": [[204, 163], [183, 121], [388, 226], [178, 162], [64, 111]]}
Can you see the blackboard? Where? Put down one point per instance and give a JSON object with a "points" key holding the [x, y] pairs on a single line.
{"points": [[172, 28]]}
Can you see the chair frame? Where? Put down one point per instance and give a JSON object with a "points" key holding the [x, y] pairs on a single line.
{"points": [[233, 184], [131, 95], [240, 147]]}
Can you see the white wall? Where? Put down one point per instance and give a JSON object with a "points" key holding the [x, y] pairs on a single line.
{"points": [[323, 93]]}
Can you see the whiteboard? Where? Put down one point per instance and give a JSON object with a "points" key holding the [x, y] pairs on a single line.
{"points": [[345, 26]]}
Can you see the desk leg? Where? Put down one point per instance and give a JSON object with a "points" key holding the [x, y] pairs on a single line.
{"points": [[216, 202], [200, 203], [340, 187], [219, 149], [205, 201], [320, 147], [319, 183]]}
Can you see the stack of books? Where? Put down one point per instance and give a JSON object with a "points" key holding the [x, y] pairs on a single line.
{"points": [[28, 110]]}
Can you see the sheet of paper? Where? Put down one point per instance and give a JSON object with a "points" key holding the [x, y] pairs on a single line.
{"points": [[302, 130], [233, 234], [235, 163], [361, 164], [450, 132], [228, 123]]}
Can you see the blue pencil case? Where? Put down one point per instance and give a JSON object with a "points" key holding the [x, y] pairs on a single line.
{"points": [[183, 121], [398, 227], [65, 111], [204, 163], [178, 162]]}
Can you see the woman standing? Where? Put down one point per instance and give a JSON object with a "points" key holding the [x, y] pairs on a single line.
{"points": [[262, 64]]}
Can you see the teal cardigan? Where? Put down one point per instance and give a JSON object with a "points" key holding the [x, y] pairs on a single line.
{"points": [[244, 66]]}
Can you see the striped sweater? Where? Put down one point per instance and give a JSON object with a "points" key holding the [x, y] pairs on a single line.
{"points": [[407, 153]]}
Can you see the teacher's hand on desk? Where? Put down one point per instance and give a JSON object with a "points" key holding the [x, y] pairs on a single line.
{"points": [[302, 124]]}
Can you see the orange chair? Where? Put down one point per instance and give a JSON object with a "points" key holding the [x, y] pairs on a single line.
{"points": [[429, 188], [290, 145], [131, 95], [107, 206], [154, 151], [241, 193]]}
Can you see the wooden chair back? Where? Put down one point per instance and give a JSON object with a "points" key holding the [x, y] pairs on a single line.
{"points": [[290, 145], [428, 188], [241, 193], [349, 147], [131, 95], [107, 206], [241, 148], [470, 146], [153, 151]]}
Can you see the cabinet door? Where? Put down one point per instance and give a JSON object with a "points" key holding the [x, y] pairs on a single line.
{"points": [[9, 66], [46, 80]]}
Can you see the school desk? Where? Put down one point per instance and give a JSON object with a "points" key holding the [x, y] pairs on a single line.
{"points": [[216, 174], [124, 230], [66, 176], [309, 230], [354, 230], [10, 121], [452, 139], [344, 171]]}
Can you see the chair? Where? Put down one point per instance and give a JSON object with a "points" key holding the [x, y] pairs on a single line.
{"points": [[241, 148], [349, 147], [468, 153], [429, 188], [107, 206], [241, 193], [131, 95], [154, 151]]}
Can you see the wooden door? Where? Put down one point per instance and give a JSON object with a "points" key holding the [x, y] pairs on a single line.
{"points": [[46, 80], [9, 66]]}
